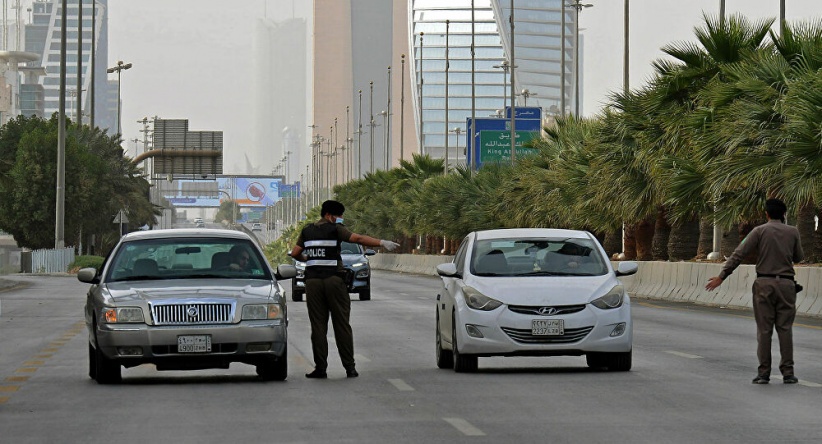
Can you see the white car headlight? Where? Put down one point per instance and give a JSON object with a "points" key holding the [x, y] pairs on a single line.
{"points": [[262, 311], [479, 301], [358, 264], [613, 299], [123, 315]]}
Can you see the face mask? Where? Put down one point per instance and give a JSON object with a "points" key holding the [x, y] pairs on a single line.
{"points": [[339, 220]]}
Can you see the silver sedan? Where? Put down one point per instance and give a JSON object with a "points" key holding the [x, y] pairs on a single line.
{"points": [[186, 299]]}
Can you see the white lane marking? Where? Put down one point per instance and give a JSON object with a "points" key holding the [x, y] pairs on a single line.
{"points": [[801, 382], [683, 355], [401, 385], [361, 358], [422, 298], [464, 426]]}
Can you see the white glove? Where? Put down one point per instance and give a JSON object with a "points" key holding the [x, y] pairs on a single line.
{"points": [[389, 245]]}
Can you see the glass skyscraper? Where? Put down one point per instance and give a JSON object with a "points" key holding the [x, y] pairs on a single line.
{"points": [[43, 37], [538, 63]]}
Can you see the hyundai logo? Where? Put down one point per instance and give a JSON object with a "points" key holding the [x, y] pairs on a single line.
{"points": [[547, 311], [192, 312]]}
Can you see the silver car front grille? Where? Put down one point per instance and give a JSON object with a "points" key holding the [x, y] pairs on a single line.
{"points": [[524, 335], [192, 313]]}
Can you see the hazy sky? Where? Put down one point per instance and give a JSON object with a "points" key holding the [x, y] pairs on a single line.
{"points": [[192, 58]]}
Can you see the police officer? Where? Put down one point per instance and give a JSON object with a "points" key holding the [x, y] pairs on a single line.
{"points": [[326, 291], [774, 290]]}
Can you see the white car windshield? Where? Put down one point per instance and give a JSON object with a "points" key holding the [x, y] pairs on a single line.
{"points": [[537, 257], [185, 258]]}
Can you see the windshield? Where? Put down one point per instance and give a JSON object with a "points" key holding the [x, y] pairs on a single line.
{"points": [[350, 248], [185, 258], [537, 257]]}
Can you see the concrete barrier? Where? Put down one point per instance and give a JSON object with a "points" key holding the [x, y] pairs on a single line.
{"points": [[675, 281]]}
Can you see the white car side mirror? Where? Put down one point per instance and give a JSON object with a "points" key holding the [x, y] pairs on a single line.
{"points": [[627, 268], [447, 270]]}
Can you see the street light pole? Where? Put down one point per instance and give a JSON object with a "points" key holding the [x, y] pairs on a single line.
{"points": [[579, 6], [473, 87], [80, 63], [457, 130], [60, 209], [346, 165], [388, 122], [562, 64], [513, 92], [504, 66], [371, 161], [384, 115], [402, 106], [447, 68], [359, 139], [118, 69], [526, 94], [422, 81], [93, 59]]}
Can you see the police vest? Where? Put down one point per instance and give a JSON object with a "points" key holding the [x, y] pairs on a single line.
{"points": [[322, 250]]}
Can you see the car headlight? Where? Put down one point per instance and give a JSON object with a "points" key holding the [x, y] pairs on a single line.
{"points": [[358, 264], [362, 274], [613, 299], [123, 315], [262, 311], [479, 301]]}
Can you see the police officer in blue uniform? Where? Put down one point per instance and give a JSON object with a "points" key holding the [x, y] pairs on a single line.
{"points": [[326, 291]]}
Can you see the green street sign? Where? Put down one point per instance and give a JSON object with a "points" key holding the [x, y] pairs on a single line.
{"points": [[495, 146]]}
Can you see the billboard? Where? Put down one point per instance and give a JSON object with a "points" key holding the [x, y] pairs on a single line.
{"points": [[250, 191], [247, 191]]}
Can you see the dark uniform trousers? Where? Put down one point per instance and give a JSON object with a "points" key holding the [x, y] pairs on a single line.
{"points": [[774, 306], [324, 296]]}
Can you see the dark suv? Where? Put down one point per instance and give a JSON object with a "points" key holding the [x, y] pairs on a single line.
{"points": [[355, 260]]}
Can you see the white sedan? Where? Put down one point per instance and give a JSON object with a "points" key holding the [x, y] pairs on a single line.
{"points": [[533, 292]]}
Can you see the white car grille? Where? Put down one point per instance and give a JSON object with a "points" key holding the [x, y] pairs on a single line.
{"points": [[546, 310], [525, 336], [192, 313]]}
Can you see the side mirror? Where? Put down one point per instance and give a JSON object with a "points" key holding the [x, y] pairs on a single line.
{"points": [[627, 268], [285, 271], [370, 252], [448, 270], [88, 275]]}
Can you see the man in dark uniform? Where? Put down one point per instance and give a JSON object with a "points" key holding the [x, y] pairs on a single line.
{"points": [[774, 290], [326, 291]]}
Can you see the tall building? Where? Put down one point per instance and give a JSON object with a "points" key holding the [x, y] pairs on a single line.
{"points": [[537, 63], [354, 43], [42, 36], [281, 98]]}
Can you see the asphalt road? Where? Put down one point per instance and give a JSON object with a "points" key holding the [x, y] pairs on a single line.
{"points": [[690, 383]]}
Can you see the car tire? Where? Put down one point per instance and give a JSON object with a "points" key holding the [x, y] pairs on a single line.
{"points": [[365, 295], [275, 369], [445, 358], [618, 362], [462, 363], [92, 363], [595, 360], [106, 371], [296, 296]]}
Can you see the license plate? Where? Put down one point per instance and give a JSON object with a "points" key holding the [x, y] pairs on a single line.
{"points": [[194, 344], [547, 327]]}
